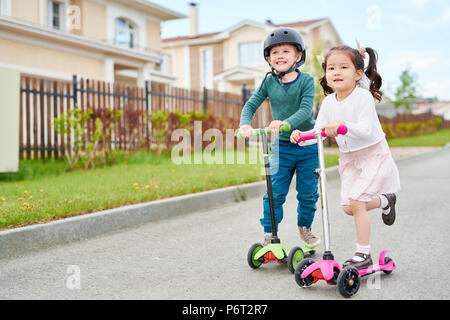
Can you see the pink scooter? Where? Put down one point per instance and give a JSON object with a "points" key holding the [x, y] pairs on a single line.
{"points": [[309, 272]]}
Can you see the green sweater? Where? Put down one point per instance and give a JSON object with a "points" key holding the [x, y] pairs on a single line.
{"points": [[293, 102]]}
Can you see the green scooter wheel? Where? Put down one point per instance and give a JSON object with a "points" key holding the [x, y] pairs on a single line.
{"points": [[254, 264], [296, 255]]}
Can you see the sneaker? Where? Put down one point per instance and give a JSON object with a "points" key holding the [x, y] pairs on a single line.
{"points": [[267, 240], [389, 218], [307, 237], [366, 263]]}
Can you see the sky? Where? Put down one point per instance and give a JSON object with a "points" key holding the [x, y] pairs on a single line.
{"points": [[413, 34]]}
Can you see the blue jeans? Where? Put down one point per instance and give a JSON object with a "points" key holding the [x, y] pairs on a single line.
{"points": [[286, 159]]}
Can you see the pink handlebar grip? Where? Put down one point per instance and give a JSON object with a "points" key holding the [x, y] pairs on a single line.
{"points": [[342, 130]]}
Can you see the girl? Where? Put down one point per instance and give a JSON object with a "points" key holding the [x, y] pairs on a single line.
{"points": [[369, 176]]}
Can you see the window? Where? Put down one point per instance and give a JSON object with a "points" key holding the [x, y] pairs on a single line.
{"points": [[5, 7], [125, 34], [206, 68], [55, 16], [251, 53]]}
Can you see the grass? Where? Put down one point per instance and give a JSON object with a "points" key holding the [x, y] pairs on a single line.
{"points": [[43, 190], [438, 138]]}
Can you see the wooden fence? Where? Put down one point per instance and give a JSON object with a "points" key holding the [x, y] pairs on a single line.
{"points": [[44, 99]]}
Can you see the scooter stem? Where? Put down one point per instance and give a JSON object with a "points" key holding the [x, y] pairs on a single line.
{"points": [[323, 196], [269, 186]]}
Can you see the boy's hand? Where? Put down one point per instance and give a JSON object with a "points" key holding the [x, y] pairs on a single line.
{"points": [[245, 131], [295, 136], [331, 128], [275, 125]]}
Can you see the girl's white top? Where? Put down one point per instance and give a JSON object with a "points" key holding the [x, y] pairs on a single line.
{"points": [[358, 112]]}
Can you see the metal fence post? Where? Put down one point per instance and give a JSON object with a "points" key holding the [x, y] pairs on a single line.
{"points": [[205, 99], [75, 90], [244, 93], [147, 107]]}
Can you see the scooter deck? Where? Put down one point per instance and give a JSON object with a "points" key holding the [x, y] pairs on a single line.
{"points": [[307, 249], [381, 266], [272, 252]]}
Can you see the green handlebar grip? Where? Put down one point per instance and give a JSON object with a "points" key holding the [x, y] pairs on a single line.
{"points": [[285, 127], [256, 132]]}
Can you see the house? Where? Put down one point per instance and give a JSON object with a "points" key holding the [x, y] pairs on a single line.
{"points": [[227, 59], [110, 40]]}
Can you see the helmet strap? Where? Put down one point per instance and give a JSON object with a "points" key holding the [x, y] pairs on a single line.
{"points": [[280, 75]]}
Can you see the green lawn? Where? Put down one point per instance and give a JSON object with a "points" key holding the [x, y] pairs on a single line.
{"points": [[438, 138], [44, 191]]}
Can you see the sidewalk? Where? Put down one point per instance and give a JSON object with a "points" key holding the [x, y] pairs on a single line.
{"points": [[19, 241], [397, 152]]}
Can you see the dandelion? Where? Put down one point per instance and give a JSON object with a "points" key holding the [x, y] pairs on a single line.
{"points": [[30, 198], [3, 199], [25, 192], [147, 187], [41, 191], [135, 184]]}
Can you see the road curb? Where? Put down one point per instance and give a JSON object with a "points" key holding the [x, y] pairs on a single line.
{"points": [[15, 242]]}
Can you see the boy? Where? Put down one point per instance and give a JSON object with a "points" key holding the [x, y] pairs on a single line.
{"points": [[291, 95]]}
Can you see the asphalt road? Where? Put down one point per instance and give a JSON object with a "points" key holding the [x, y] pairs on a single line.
{"points": [[203, 255]]}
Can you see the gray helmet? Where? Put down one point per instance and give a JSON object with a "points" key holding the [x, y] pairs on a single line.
{"points": [[285, 35]]}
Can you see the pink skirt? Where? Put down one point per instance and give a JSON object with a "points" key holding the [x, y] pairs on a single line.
{"points": [[367, 173]]}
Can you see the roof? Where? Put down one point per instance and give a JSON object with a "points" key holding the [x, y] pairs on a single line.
{"points": [[199, 36], [298, 24], [152, 8]]}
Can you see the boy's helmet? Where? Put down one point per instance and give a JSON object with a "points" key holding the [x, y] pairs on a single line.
{"points": [[285, 35]]}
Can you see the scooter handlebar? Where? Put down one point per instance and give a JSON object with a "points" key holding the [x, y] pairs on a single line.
{"points": [[342, 130], [256, 132]]}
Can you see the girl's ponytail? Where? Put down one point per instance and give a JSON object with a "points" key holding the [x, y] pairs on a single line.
{"points": [[323, 82], [373, 75]]}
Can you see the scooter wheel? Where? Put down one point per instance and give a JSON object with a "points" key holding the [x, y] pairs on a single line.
{"points": [[295, 256], [386, 261], [308, 281], [348, 282], [254, 264]]}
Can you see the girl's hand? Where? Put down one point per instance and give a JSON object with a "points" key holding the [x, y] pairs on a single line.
{"points": [[331, 128], [245, 131], [275, 125], [295, 136]]}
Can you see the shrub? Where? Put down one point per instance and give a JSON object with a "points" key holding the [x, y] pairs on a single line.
{"points": [[92, 134]]}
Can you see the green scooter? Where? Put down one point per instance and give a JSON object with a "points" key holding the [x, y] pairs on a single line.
{"points": [[259, 254]]}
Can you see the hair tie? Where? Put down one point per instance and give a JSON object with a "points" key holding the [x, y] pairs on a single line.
{"points": [[361, 50]]}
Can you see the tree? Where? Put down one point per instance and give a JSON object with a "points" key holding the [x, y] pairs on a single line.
{"points": [[406, 91], [314, 67]]}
